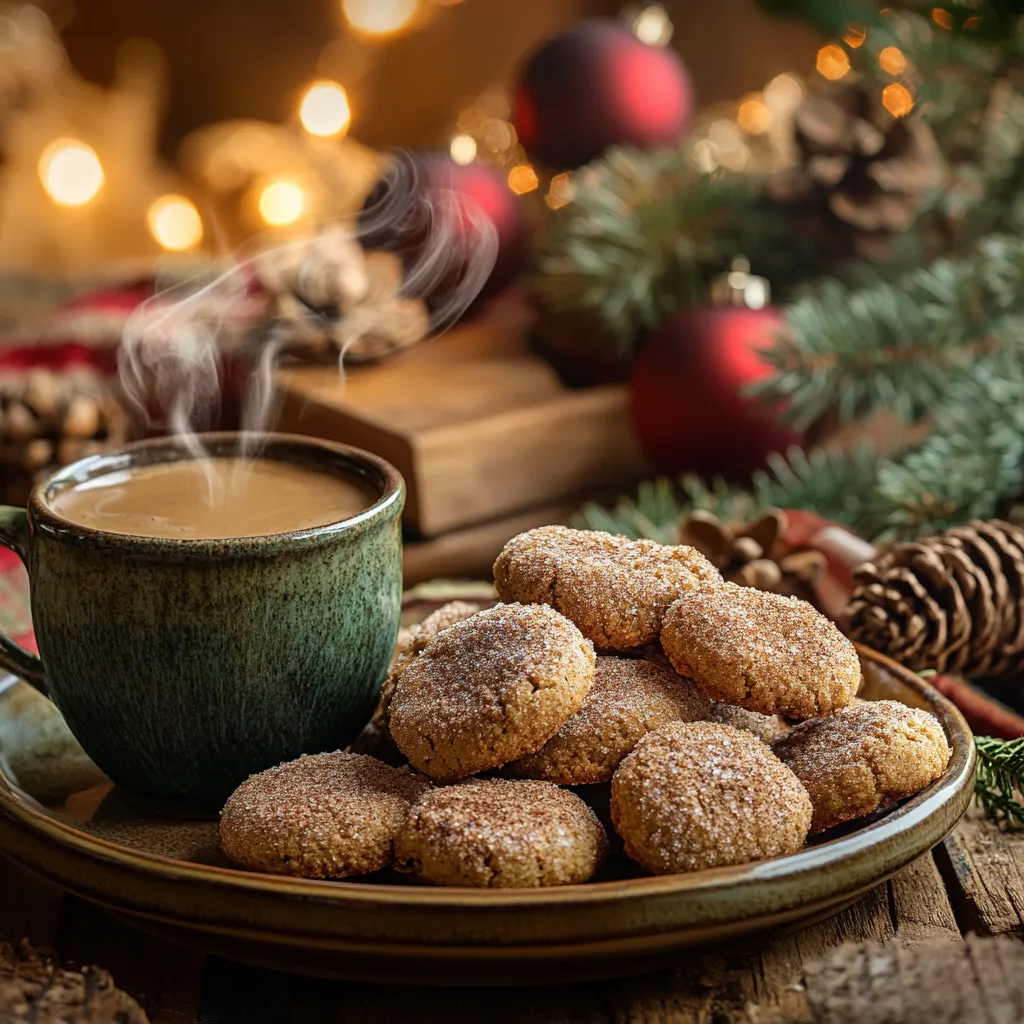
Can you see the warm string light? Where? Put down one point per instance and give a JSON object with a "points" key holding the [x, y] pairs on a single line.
{"points": [[897, 99], [892, 61], [379, 17], [653, 26], [854, 36], [942, 17], [753, 115], [175, 223], [281, 202], [71, 172], [833, 62], [324, 110], [559, 192], [522, 179], [484, 132], [463, 149]]}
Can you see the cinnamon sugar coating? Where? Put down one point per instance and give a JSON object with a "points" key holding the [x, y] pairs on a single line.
{"points": [[616, 590], [501, 833], [490, 689], [321, 816], [629, 698], [767, 728], [695, 795], [761, 651], [864, 757], [412, 640]]}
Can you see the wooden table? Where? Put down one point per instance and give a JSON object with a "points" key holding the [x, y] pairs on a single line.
{"points": [[974, 882]]}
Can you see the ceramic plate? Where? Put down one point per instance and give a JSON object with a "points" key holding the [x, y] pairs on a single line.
{"points": [[65, 822]]}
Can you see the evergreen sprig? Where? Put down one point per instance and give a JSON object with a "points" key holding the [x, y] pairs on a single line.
{"points": [[645, 234], [901, 346], [971, 466], [998, 782], [833, 485]]}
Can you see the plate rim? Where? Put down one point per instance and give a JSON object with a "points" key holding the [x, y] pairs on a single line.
{"points": [[845, 850]]}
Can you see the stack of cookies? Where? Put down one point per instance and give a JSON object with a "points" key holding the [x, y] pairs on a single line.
{"points": [[620, 685]]}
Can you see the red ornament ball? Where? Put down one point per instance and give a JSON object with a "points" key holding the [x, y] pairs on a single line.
{"points": [[687, 398], [597, 86], [460, 230]]}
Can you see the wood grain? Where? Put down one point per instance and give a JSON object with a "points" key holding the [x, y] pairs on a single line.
{"points": [[984, 872]]}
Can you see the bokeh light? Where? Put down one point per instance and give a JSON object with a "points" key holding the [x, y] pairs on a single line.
{"points": [[71, 172], [379, 17], [463, 149], [281, 202], [833, 62], [560, 191], [942, 17], [324, 110], [175, 223], [897, 99], [522, 178], [854, 36], [892, 61], [783, 92], [754, 116], [653, 26]]}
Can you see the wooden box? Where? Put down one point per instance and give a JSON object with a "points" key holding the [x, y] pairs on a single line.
{"points": [[481, 428]]}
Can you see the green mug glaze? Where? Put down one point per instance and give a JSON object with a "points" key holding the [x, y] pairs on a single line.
{"points": [[182, 666]]}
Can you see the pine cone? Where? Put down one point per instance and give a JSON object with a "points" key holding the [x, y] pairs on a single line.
{"points": [[953, 603], [330, 299], [860, 171], [49, 419], [755, 554]]}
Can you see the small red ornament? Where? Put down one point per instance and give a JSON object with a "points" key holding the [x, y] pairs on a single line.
{"points": [[687, 398], [460, 230], [597, 86]]}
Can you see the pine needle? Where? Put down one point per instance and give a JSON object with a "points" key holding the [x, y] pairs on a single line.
{"points": [[1000, 771]]}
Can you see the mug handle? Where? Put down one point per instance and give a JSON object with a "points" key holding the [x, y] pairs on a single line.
{"points": [[14, 534]]}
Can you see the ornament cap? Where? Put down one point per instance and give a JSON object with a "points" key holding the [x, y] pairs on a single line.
{"points": [[739, 287]]}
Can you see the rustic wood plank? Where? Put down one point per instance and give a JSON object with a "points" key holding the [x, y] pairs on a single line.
{"points": [[983, 867], [919, 904], [980, 980], [480, 427]]}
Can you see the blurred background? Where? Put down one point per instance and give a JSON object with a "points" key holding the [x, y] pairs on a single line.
{"points": [[232, 58]]}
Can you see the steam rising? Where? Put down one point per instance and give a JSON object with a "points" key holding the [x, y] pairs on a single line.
{"points": [[178, 344]]}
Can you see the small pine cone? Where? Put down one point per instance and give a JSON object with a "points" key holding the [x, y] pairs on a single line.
{"points": [[953, 603], [860, 173], [755, 554]]}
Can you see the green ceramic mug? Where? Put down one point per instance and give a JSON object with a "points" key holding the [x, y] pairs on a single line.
{"points": [[182, 666]]}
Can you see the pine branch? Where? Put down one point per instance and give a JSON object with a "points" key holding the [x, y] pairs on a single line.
{"points": [[832, 485], [900, 346], [972, 464], [645, 233], [998, 781]]}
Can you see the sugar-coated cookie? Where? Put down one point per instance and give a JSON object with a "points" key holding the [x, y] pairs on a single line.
{"points": [[696, 795], [616, 590], [501, 833], [864, 757], [629, 698], [490, 689], [412, 640], [761, 651], [321, 816]]}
